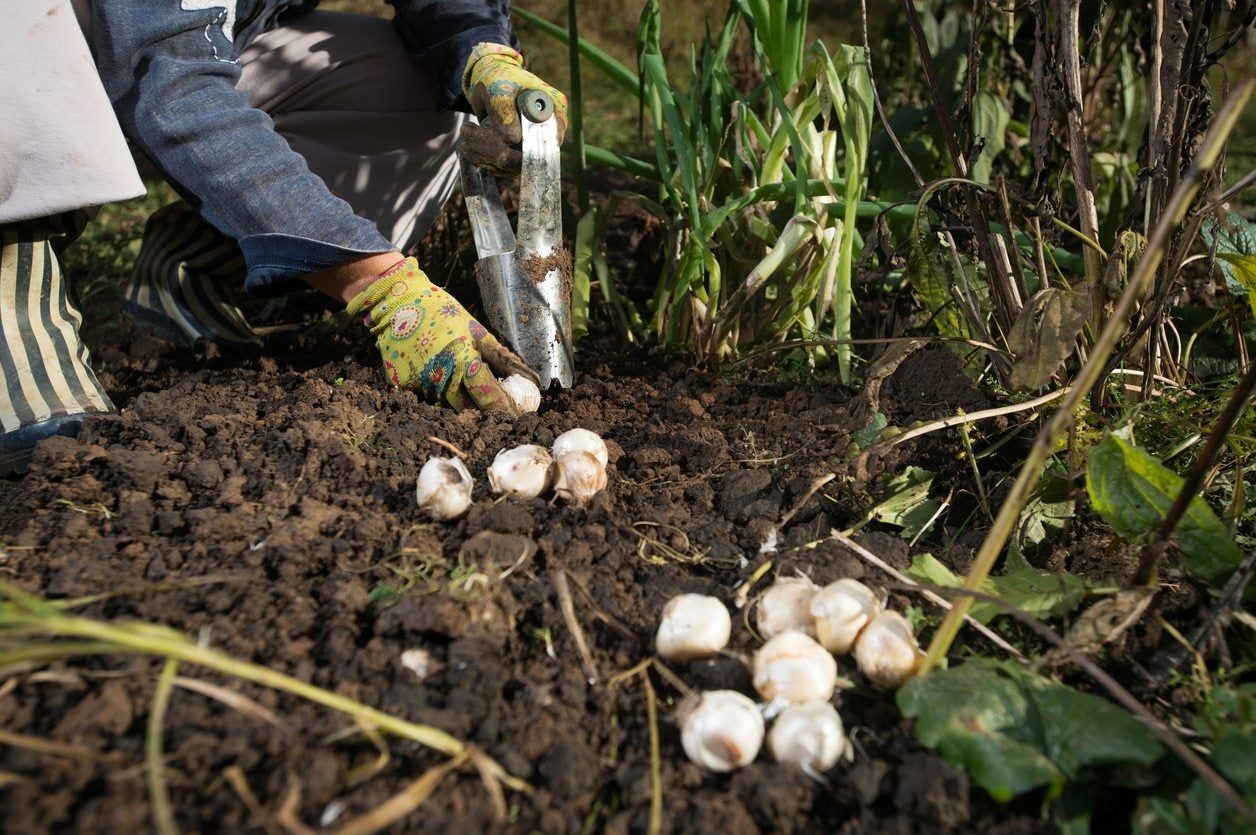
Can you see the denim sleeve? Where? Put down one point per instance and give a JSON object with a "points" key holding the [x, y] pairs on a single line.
{"points": [[170, 72], [442, 33]]}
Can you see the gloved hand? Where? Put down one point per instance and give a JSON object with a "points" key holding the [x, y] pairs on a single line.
{"points": [[493, 77], [431, 344]]}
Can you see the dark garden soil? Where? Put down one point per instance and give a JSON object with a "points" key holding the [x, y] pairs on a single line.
{"points": [[287, 477]]}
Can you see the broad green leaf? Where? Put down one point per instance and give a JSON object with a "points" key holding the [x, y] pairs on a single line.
{"points": [[1043, 335], [1014, 731], [907, 504], [1234, 239], [1041, 594], [1242, 270], [1132, 491], [867, 436], [990, 118], [1046, 513], [978, 719]]}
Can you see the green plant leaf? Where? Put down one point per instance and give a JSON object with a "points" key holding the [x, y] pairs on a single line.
{"points": [[1234, 239], [1043, 335], [867, 436], [1039, 593], [1014, 731], [1242, 272], [612, 68], [586, 244], [1133, 491], [1045, 514], [990, 118], [907, 504]]}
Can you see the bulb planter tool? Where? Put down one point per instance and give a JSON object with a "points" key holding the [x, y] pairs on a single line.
{"points": [[527, 305]]}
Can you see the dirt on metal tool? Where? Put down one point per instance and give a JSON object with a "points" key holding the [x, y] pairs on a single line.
{"points": [[523, 280]]}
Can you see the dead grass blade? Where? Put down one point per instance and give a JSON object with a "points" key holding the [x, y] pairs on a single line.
{"points": [[288, 808], [9, 778], [236, 701], [54, 748], [149, 588], [404, 802], [365, 772], [656, 759], [234, 775], [158, 794], [484, 765], [568, 607]]}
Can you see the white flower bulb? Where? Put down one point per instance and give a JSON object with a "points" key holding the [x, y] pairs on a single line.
{"points": [[524, 472], [693, 626], [720, 730], [581, 440], [786, 605], [525, 393], [886, 650], [793, 668], [809, 736], [444, 489], [580, 477], [839, 611]]}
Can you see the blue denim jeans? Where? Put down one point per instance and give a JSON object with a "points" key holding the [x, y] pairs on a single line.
{"points": [[173, 72]]}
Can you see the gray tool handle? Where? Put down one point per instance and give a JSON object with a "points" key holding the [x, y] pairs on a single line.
{"points": [[535, 105]]}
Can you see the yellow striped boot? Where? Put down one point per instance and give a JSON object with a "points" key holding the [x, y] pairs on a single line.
{"points": [[185, 281], [46, 379]]}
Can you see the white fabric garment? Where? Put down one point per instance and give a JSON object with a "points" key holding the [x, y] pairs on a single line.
{"points": [[60, 145]]}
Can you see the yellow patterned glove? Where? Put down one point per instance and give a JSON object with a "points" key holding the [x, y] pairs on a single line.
{"points": [[492, 79], [429, 342]]}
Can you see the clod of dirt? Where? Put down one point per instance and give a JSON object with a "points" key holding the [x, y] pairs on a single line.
{"points": [[538, 267]]}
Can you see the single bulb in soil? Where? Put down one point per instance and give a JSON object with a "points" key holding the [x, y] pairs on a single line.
{"points": [[581, 440], [580, 477], [786, 605], [525, 393], [444, 489], [886, 650], [693, 626], [793, 668], [524, 472], [809, 736], [839, 611], [720, 730], [420, 662]]}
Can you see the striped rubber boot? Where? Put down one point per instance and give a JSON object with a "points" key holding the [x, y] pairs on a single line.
{"points": [[46, 379], [181, 284]]}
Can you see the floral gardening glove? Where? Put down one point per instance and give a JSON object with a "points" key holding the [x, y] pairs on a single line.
{"points": [[431, 344], [493, 78]]}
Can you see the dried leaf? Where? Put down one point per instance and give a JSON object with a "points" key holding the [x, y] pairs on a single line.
{"points": [[1043, 335]]}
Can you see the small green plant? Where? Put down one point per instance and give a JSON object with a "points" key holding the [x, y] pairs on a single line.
{"points": [[760, 189]]}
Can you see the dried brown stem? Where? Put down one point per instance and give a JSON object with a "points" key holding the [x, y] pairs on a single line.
{"points": [[1068, 12], [568, 607]]}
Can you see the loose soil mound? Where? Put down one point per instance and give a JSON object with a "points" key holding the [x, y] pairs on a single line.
{"points": [[288, 479]]}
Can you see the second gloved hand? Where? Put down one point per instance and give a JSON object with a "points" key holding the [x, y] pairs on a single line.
{"points": [[430, 343], [492, 79]]}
